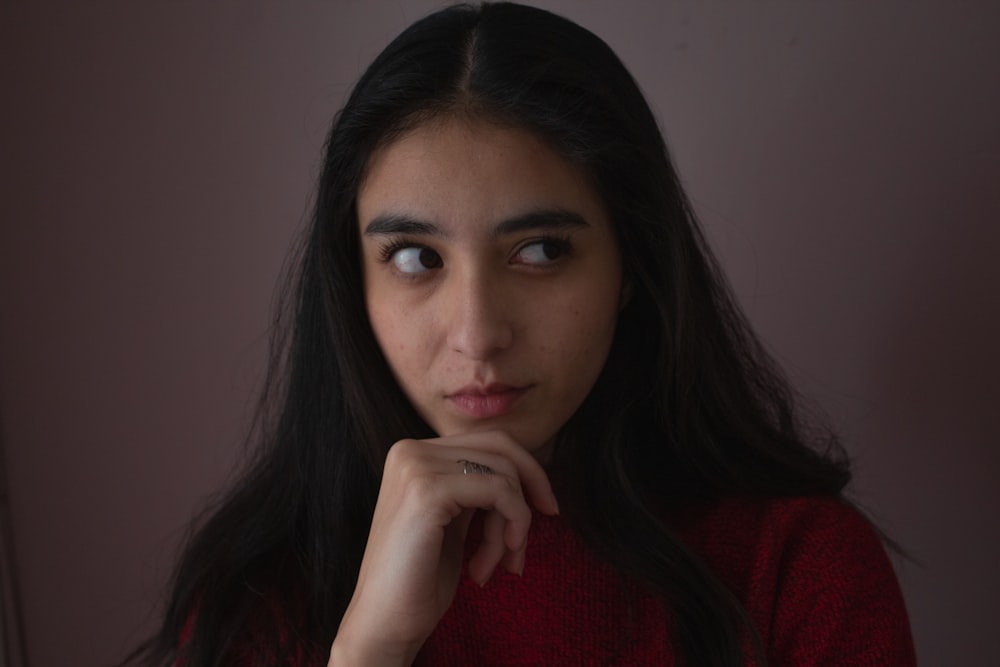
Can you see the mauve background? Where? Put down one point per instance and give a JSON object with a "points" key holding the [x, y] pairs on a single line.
{"points": [[159, 158]]}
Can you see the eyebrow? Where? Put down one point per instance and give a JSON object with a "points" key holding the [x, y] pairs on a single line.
{"points": [[542, 219]]}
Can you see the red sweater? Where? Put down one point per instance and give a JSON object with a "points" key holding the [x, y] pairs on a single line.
{"points": [[812, 574]]}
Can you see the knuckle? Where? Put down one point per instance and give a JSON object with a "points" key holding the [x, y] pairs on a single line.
{"points": [[400, 452], [406, 462]]}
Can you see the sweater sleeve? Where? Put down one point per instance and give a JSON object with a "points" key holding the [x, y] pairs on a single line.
{"points": [[837, 600]]}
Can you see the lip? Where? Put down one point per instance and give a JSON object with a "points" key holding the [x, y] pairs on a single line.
{"points": [[486, 401]]}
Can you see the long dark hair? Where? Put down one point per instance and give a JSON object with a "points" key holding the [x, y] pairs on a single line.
{"points": [[689, 400]]}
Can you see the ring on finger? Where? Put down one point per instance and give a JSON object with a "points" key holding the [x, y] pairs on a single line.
{"points": [[473, 468]]}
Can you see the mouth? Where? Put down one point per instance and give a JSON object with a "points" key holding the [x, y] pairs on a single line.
{"points": [[484, 402]]}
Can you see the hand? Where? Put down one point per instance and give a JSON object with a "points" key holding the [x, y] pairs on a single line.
{"points": [[414, 554]]}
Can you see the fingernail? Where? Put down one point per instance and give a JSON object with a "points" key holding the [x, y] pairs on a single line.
{"points": [[520, 563]]}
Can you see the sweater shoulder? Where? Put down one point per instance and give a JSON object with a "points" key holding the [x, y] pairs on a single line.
{"points": [[813, 574], [778, 530]]}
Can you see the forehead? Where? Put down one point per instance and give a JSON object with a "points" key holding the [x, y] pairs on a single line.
{"points": [[456, 171]]}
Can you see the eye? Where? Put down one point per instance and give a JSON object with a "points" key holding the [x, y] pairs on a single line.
{"points": [[415, 259], [542, 252]]}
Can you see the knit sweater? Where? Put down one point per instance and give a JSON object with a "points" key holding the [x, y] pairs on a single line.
{"points": [[812, 573]]}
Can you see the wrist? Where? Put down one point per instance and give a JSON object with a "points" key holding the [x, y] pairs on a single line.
{"points": [[348, 651]]}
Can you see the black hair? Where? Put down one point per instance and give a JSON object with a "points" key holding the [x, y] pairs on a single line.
{"points": [[689, 407]]}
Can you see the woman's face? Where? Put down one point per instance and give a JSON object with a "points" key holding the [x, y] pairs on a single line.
{"points": [[492, 278]]}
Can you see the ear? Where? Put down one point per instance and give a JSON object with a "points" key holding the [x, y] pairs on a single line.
{"points": [[625, 295]]}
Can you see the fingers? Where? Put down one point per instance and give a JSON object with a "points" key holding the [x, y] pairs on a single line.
{"points": [[503, 541], [536, 486], [491, 550], [416, 543], [487, 471], [424, 479], [454, 541]]}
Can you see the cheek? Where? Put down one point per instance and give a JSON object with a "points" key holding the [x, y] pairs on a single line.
{"points": [[388, 326], [581, 332], [405, 336]]}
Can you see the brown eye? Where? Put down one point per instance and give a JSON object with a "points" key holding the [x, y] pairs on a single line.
{"points": [[541, 253], [415, 259]]}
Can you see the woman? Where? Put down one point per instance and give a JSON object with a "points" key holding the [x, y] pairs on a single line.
{"points": [[504, 299]]}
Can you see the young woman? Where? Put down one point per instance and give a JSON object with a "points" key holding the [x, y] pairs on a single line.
{"points": [[518, 418]]}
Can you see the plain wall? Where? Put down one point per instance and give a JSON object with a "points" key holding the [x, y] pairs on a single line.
{"points": [[158, 160]]}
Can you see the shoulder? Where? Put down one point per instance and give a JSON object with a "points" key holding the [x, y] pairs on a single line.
{"points": [[813, 574], [777, 528]]}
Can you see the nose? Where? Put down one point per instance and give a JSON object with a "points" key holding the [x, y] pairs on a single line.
{"points": [[479, 321]]}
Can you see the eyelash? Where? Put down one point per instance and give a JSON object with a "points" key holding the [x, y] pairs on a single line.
{"points": [[391, 247]]}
